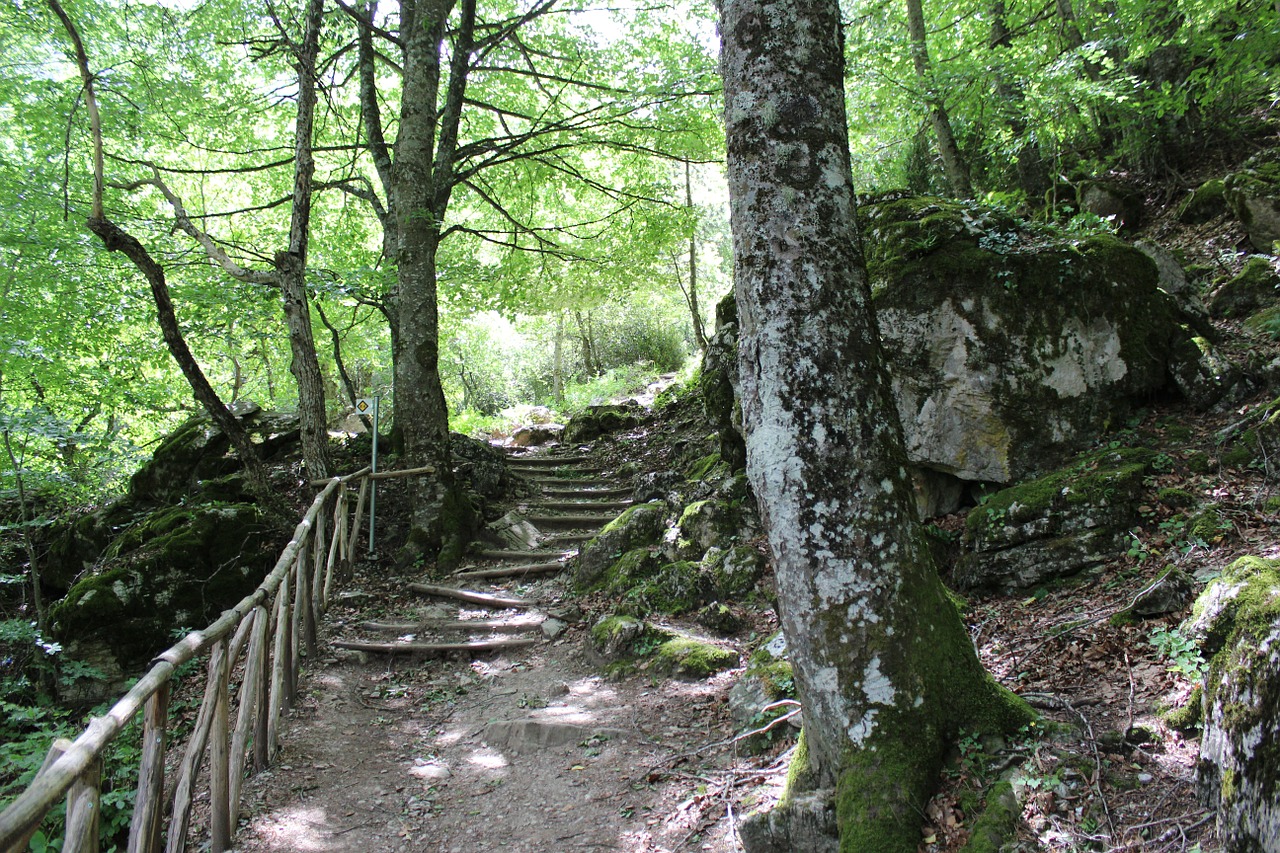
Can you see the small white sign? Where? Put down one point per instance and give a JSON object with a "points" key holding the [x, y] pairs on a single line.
{"points": [[366, 404]]}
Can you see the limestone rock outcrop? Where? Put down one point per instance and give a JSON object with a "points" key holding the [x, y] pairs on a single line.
{"points": [[1010, 348], [1236, 622]]}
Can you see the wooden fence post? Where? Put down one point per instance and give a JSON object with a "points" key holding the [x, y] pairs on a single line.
{"points": [[304, 636], [219, 752], [355, 525], [180, 820], [281, 691], [148, 807], [84, 810]]}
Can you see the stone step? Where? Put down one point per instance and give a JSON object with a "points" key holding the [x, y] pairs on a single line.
{"points": [[435, 649], [581, 487], [565, 475], [543, 556]]}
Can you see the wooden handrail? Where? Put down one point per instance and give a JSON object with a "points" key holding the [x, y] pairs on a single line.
{"points": [[271, 626]]}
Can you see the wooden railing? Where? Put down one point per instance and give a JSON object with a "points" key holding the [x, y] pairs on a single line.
{"points": [[267, 632]]}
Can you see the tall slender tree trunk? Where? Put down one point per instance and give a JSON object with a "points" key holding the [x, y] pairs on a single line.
{"points": [[953, 164], [884, 666], [1033, 177], [691, 295], [557, 367], [116, 239], [589, 362], [292, 265]]}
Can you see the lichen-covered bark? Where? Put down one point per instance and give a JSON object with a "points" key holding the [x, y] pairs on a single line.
{"points": [[884, 667]]}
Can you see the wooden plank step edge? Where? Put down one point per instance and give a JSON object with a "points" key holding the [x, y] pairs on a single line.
{"points": [[493, 626], [500, 554], [434, 648], [509, 571], [484, 599]]}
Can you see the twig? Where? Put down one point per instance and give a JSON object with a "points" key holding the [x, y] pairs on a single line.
{"points": [[737, 738]]}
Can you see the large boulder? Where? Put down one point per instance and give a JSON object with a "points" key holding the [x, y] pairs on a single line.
{"points": [[595, 421], [1236, 622], [175, 568], [1056, 525], [639, 527], [198, 451], [1256, 286], [1253, 194], [1008, 348]]}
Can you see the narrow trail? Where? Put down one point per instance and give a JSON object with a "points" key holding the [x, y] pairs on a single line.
{"points": [[463, 715]]}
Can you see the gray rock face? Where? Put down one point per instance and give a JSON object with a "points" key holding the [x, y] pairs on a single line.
{"points": [[1009, 349], [1237, 621], [1054, 526], [638, 527], [808, 824], [1253, 194]]}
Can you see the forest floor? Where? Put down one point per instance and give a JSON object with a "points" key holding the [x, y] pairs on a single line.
{"points": [[533, 749]]}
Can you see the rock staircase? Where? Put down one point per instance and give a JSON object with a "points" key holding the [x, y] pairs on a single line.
{"points": [[496, 596]]}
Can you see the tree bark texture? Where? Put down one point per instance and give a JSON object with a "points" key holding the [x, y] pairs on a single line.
{"points": [[441, 516], [292, 265], [883, 664], [117, 239], [953, 164]]}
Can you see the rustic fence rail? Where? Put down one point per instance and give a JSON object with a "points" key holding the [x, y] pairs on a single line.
{"points": [[267, 631]]}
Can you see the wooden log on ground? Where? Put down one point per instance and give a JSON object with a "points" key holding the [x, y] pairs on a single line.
{"points": [[483, 599], [148, 803], [430, 649], [511, 571], [496, 626]]}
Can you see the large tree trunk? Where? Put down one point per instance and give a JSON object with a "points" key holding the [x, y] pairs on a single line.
{"points": [[883, 664], [292, 265], [953, 163], [442, 517]]}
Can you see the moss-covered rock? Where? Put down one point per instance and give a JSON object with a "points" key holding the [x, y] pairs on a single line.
{"points": [[734, 570], [687, 657], [198, 450], [639, 527], [618, 637], [179, 567], [673, 589], [595, 421], [709, 523], [1266, 322], [998, 821], [1256, 286], [1055, 525], [1237, 623], [1253, 195], [1010, 348], [1207, 201]]}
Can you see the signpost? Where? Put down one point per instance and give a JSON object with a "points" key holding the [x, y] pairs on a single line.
{"points": [[363, 406]]}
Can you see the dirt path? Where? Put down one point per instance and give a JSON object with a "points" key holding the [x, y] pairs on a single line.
{"points": [[525, 749]]}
